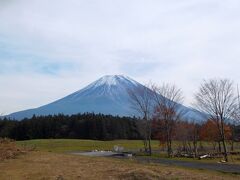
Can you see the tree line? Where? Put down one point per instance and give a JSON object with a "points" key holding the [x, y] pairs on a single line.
{"points": [[108, 127], [189, 136], [80, 126]]}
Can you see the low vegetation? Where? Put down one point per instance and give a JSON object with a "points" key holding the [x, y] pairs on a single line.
{"points": [[52, 154], [68, 145], [159, 151], [55, 166]]}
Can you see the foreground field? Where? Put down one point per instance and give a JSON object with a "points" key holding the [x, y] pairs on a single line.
{"points": [[51, 160], [46, 165]]}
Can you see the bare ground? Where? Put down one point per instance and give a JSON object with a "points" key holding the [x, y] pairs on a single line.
{"points": [[45, 165]]}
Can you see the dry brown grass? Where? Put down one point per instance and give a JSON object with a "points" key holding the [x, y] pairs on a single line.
{"points": [[44, 165], [8, 149]]}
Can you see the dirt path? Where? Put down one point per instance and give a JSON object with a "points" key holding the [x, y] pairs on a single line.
{"points": [[227, 168]]}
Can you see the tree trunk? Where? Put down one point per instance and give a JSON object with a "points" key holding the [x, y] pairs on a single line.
{"points": [[225, 150], [214, 145], [169, 148], [195, 148], [149, 137], [232, 145], [232, 139], [219, 147], [145, 145], [223, 141], [190, 148], [169, 144], [149, 146]]}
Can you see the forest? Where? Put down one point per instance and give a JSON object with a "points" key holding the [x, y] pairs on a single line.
{"points": [[108, 127], [79, 126]]}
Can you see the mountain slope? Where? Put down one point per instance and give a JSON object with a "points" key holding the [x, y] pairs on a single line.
{"points": [[108, 95]]}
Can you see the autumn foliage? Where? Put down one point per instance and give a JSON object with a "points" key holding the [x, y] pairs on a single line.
{"points": [[210, 132]]}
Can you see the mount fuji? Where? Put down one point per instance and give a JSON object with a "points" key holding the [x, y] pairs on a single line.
{"points": [[107, 95]]}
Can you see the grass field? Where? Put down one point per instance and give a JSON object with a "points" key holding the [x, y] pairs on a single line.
{"points": [[58, 166], [51, 161], [67, 145]]}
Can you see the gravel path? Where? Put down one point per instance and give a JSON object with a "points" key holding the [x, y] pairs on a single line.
{"points": [[96, 153], [228, 168]]}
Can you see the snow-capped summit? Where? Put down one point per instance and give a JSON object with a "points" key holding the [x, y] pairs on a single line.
{"points": [[107, 95], [113, 80], [113, 87]]}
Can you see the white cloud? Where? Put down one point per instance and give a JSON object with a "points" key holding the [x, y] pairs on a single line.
{"points": [[78, 41]]}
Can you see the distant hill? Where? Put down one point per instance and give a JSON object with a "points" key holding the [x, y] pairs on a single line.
{"points": [[107, 95]]}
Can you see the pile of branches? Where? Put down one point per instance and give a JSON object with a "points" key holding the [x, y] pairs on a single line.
{"points": [[9, 149], [204, 155]]}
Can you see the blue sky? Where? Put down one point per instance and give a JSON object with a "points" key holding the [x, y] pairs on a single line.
{"points": [[49, 49]]}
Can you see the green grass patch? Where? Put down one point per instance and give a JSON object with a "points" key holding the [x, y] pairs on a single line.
{"points": [[68, 145]]}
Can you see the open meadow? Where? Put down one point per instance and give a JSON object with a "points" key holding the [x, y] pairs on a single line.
{"points": [[75, 145], [68, 145], [50, 159]]}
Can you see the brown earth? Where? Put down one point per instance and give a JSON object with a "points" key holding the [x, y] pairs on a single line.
{"points": [[46, 165]]}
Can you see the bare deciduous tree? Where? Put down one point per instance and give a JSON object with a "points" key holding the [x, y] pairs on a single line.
{"points": [[142, 101], [216, 98], [168, 110], [236, 114], [188, 134], [194, 137]]}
